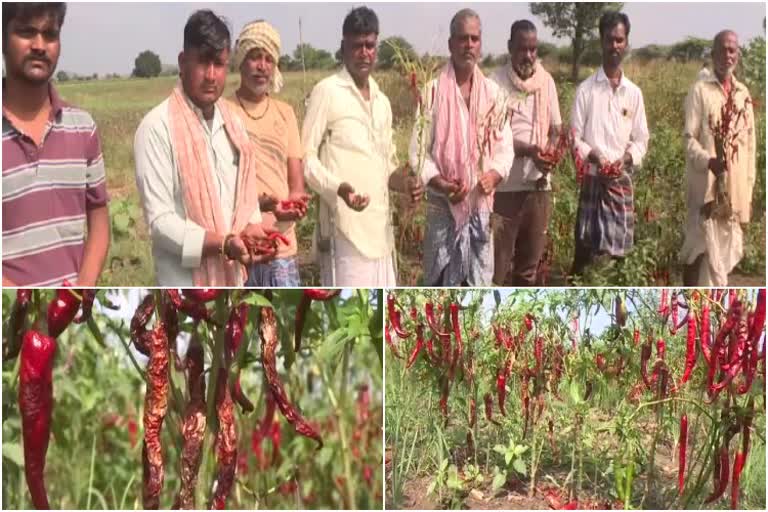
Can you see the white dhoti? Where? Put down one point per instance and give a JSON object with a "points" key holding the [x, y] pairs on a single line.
{"points": [[351, 268], [722, 244]]}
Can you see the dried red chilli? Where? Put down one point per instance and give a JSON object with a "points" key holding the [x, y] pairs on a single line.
{"points": [[394, 318], [269, 342], [456, 329], [472, 412], [645, 355], [321, 294], [195, 310], [722, 467], [155, 408], [17, 323], [682, 451], [193, 427], [201, 294], [226, 443], [233, 336], [690, 354], [139, 323], [429, 310], [738, 466], [62, 310], [501, 389], [388, 338], [674, 306], [488, 399], [36, 407], [528, 321], [417, 348], [538, 352], [664, 303], [758, 322], [636, 337], [86, 307], [706, 349]]}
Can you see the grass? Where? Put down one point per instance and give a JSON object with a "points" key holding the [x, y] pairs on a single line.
{"points": [[119, 105]]}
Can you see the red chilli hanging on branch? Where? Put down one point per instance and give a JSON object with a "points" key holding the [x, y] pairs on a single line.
{"points": [[62, 309], [17, 323], [155, 408], [269, 342], [233, 336], [682, 451], [36, 407]]}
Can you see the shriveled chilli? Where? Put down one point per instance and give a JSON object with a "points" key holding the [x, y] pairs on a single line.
{"points": [[86, 307], [269, 342], [226, 444], [139, 333], [417, 348], [36, 407], [193, 427], [155, 408], [682, 451], [233, 335]]}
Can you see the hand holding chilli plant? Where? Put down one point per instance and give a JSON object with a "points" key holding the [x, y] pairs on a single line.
{"points": [[651, 399], [211, 400]]}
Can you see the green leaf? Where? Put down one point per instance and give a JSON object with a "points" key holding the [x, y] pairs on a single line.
{"points": [[520, 449], [443, 465], [13, 452], [121, 223], [519, 466], [575, 392], [329, 350], [508, 457], [257, 299], [500, 449], [431, 487], [499, 480]]}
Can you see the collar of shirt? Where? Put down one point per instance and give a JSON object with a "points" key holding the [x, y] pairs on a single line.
{"points": [[216, 123], [346, 80], [600, 76], [57, 105], [712, 78]]}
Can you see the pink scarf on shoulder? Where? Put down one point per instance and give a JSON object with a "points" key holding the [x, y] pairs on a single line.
{"points": [[454, 159], [201, 201], [538, 85]]}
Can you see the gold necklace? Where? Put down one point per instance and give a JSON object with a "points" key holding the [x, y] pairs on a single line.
{"points": [[266, 108]]}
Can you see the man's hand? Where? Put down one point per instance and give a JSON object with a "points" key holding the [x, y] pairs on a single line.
{"points": [[540, 159], [292, 209], [267, 203], [716, 166], [456, 190], [235, 249], [488, 182], [259, 243], [352, 200], [597, 158], [415, 188]]}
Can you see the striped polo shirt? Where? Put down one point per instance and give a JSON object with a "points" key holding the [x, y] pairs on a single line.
{"points": [[47, 191]]}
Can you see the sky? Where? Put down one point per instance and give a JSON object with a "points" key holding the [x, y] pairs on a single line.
{"points": [[103, 37]]}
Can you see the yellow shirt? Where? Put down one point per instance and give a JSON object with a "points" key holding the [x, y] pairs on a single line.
{"points": [[349, 139], [273, 128], [705, 100]]}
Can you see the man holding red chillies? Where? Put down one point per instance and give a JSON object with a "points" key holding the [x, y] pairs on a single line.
{"points": [[272, 127], [713, 243]]}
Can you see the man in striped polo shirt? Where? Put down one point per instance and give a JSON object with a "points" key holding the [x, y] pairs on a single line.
{"points": [[53, 169]]}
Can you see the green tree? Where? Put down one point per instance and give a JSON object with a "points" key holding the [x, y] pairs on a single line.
{"points": [[692, 48], [314, 58], [576, 21], [62, 76], [147, 65], [754, 66], [386, 58]]}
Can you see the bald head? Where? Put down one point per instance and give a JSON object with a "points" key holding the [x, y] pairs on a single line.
{"points": [[725, 53]]}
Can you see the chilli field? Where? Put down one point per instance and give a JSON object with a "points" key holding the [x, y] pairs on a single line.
{"points": [[575, 399], [210, 399], [119, 105]]}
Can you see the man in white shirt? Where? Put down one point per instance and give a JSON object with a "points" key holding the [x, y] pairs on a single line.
{"points": [[523, 202], [350, 162], [611, 139], [195, 170], [466, 152], [720, 181]]}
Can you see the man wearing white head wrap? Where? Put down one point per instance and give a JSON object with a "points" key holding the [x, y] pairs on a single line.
{"points": [[272, 126]]}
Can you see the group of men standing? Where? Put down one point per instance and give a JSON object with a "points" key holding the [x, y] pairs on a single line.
{"points": [[222, 179]]}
